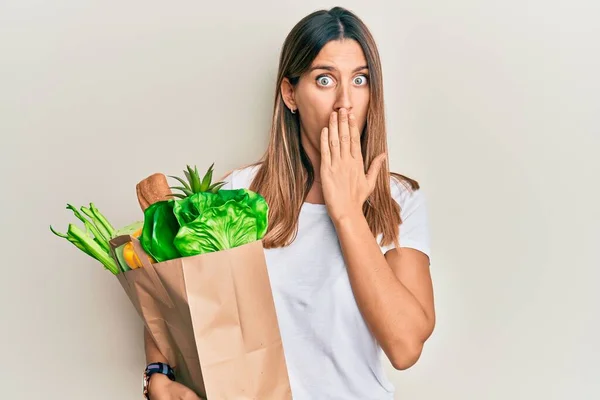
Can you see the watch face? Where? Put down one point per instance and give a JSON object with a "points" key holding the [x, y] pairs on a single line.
{"points": [[145, 386]]}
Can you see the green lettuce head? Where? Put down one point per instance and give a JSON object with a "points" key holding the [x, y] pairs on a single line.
{"points": [[204, 222], [219, 221]]}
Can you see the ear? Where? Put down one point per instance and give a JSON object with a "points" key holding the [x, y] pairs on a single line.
{"points": [[287, 94]]}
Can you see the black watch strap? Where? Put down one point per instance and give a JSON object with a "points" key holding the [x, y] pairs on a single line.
{"points": [[154, 368], [161, 368]]}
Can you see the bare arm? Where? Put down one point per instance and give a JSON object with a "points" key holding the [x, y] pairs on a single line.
{"points": [[394, 292], [153, 354], [161, 387]]}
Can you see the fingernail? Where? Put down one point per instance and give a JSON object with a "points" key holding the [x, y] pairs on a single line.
{"points": [[351, 116], [342, 111]]}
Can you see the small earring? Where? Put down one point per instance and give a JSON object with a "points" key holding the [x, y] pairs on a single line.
{"points": [[293, 110]]}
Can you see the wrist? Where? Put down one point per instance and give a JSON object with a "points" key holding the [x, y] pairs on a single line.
{"points": [[156, 375], [157, 381], [348, 218]]}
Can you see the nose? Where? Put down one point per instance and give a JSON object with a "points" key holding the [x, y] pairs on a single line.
{"points": [[343, 99]]}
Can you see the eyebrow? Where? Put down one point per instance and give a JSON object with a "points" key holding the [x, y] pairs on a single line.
{"points": [[330, 68]]}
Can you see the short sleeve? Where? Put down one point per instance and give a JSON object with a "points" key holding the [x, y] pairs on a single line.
{"points": [[414, 229], [239, 178], [228, 179]]}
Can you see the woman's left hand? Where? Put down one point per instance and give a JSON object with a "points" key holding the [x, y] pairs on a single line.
{"points": [[345, 185]]}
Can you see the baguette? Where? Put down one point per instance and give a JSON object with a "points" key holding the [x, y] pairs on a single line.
{"points": [[153, 189]]}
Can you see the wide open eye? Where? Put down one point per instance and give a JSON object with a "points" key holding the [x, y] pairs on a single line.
{"points": [[361, 80], [324, 80]]}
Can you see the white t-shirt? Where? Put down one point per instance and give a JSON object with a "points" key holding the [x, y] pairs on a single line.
{"points": [[330, 352]]}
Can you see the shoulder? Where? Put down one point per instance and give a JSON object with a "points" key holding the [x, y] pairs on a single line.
{"points": [[241, 177], [414, 226]]}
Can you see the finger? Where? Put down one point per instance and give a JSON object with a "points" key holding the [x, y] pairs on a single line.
{"points": [[334, 140], [355, 149], [344, 132], [375, 169], [325, 152]]}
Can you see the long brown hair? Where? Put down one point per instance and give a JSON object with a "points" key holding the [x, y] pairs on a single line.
{"points": [[286, 174]]}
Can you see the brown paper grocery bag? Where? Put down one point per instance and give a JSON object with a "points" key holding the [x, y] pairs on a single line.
{"points": [[213, 317]]}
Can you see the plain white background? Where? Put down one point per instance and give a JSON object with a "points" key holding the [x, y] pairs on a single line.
{"points": [[492, 105]]}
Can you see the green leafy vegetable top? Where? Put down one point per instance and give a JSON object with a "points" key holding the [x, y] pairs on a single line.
{"points": [[204, 222]]}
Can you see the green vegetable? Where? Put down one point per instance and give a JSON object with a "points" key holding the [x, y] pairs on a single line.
{"points": [[121, 260], [160, 228], [203, 223], [218, 228], [196, 185], [72, 240], [129, 229], [255, 201], [90, 227], [92, 248], [203, 218], [88, 245], [107, 226], [95, 240], [99, 226], [189, 209]]}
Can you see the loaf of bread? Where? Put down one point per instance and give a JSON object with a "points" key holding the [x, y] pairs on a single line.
{"points": [[153, 189]]}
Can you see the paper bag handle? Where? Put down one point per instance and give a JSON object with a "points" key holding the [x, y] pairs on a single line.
{"points": [[147, 266]]}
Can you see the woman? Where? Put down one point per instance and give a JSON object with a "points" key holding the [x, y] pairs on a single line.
{"points": [[347, 251]]}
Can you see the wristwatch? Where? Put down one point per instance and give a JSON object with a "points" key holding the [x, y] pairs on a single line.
{"points": [[153, 368]]}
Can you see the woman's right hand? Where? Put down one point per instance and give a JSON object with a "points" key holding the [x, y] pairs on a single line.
{"points": [[162, 388]]}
